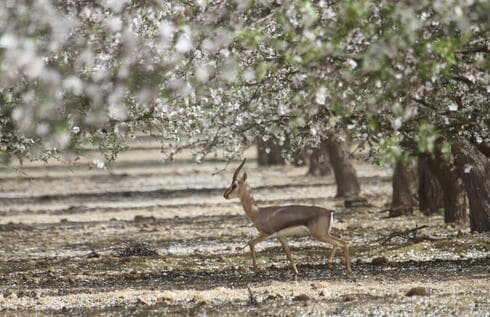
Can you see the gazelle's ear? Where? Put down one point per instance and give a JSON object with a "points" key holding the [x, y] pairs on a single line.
{"points": [[244, 177]]}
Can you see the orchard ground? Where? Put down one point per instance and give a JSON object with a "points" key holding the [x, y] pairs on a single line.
{"points": [[146, 237]]}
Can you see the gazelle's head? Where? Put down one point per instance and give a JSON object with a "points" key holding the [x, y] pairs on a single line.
{"points": [[234, 190]]}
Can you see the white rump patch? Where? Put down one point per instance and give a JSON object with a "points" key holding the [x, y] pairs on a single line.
{"points": [[331, 222], [292, 231]]}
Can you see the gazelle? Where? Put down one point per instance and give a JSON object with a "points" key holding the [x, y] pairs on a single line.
{"points": [[283, 221]]}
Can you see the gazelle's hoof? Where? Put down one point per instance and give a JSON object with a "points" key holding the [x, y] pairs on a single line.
{"points": [[330, 266]]}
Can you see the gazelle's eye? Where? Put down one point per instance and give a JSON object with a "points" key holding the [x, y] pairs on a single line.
{"points": [[233, 186]]}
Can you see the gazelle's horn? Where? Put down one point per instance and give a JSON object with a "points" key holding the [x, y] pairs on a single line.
{"points": [[237, 171]]}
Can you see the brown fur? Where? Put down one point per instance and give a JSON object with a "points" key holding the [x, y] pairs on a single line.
{"points": [[272, 220]]}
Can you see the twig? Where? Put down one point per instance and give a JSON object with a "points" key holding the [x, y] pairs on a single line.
{"points": [[221, 170], [242, 248], [359, 146], [405, 234], [251, 297]]}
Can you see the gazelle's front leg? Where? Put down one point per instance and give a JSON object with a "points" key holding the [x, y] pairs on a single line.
{"points": [[336, 242], [252, 243], [285, 246]]}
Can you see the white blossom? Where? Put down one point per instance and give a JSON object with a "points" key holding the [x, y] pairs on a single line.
{"points": [[184, 43], [453, 106], [202, 73], [167, 30], [397, 123], [115, 5], [99, 164], [321, 95]]}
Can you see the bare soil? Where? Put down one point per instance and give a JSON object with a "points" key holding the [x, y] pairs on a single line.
{"points": [[151, 238]]}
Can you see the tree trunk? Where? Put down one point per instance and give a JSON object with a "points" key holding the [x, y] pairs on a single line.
{"points": [[454, 197], [345, 175], [431, 196], [269, 153], [474, 169], [404, 198], [319, 162], [485, 149]]}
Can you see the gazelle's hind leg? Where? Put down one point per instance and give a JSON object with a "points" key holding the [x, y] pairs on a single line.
{"points": [[285, 246], [319, 231]]}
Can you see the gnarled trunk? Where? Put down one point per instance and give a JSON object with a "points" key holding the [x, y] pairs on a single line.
{"points": [[485, 149], [269, 153], [454, 198], [474, 169], [404, 198], [431, 196], [345, 175]]}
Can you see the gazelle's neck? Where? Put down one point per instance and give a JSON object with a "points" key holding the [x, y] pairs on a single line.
{"points": [[248, 201]]}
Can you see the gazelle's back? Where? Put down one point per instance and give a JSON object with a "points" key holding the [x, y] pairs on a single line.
{"points": [[282, 217]]}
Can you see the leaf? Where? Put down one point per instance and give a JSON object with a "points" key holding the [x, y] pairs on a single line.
{"points": [[446, 48]]}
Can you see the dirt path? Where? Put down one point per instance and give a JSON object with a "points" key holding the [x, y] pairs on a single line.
{"points": [[151, 238]]}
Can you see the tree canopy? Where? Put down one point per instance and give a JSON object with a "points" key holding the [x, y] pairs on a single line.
{"points": [[397, 75]]}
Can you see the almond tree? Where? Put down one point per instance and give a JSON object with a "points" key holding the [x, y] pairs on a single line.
{"points": [[403, 77]]}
